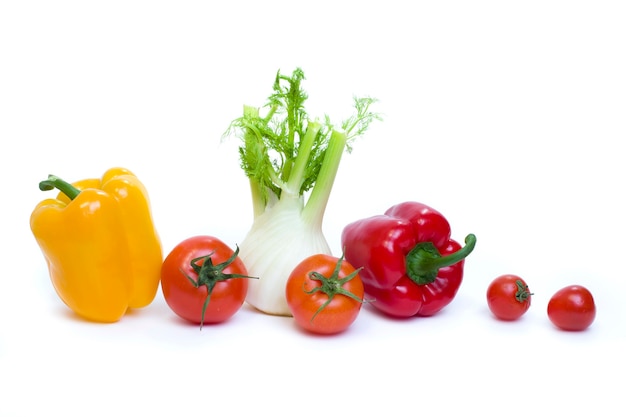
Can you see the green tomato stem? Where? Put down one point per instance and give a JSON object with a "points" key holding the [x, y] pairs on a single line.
{"points": [[522, 294], [333, 285], [210, 274]]}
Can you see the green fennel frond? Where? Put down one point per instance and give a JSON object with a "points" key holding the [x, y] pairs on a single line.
{"points": [[289, 99], [356, 125], [275, 151]]}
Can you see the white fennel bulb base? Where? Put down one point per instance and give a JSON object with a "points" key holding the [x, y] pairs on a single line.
{"points": [[279, 239]]}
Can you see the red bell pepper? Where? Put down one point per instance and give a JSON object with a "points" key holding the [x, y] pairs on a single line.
{"points": [[411, 266]]}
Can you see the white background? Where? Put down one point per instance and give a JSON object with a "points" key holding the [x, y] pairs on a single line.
{"points": [[509, 117]]}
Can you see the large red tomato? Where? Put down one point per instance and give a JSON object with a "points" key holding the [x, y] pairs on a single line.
{"points": [[203, 280], [324, 294]]}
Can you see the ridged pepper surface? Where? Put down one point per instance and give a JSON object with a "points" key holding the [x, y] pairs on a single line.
{"points": [[98, 238], [411, 266]]}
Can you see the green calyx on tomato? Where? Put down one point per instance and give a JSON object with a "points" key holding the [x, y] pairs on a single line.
{"points": [[209, 275], [332, 285], [522, 293]]}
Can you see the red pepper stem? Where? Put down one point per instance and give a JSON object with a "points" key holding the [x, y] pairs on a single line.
{"points": [[424, 260], [55, 182]]}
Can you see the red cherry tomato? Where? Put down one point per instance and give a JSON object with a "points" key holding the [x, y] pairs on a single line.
{"points": [[203, 280], [324, 294], [508, 297], [572, 308]]}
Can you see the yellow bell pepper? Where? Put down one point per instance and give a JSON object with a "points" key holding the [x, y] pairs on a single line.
{"points": [[103, 252]]}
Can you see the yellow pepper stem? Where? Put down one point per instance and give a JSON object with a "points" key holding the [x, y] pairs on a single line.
{"points": [[55, 182]]}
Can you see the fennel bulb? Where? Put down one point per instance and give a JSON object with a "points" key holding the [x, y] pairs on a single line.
{"points": [[279, 239], [287, 158]]}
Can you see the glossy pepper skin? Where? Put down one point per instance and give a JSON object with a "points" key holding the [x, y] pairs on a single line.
{"points": [[411, 266], [97, 236]]}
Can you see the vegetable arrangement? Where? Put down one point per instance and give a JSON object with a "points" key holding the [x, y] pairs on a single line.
{"points": [[104, 255]]}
